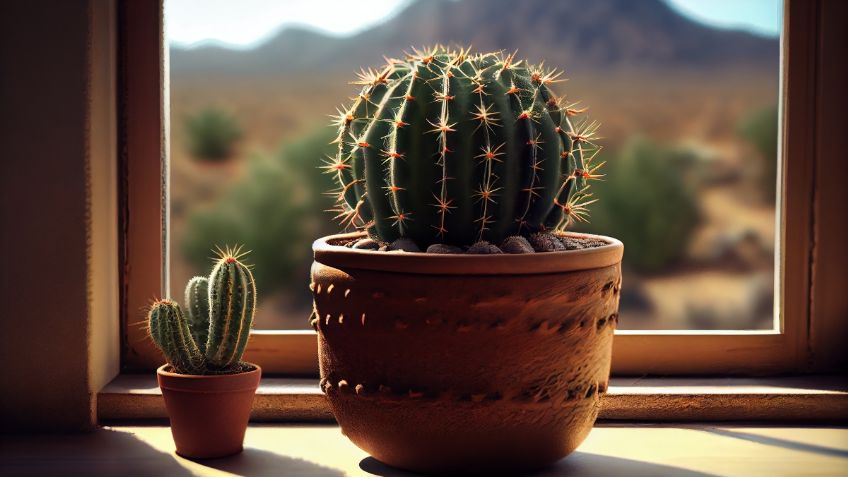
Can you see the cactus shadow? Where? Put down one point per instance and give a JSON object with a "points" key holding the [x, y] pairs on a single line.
{"points": [[579, 464], [260, 462]]}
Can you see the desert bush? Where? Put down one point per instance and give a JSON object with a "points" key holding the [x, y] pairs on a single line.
{"points": [[760, 130], [212, 134], [645, 203], [276, 210]]}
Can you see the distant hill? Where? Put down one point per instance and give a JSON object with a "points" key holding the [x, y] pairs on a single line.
{"points": [[576, 34]]}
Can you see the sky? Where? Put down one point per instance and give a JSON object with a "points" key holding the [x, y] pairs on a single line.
{"points": [[245, 23]]}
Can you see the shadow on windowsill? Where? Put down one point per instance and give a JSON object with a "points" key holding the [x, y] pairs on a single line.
{"points": [[579, 464], [257, 462], [102, 452], [783, 443]]}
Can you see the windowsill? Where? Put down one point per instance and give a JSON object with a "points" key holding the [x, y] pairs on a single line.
{"points": [[802, 398], [321, 450]]}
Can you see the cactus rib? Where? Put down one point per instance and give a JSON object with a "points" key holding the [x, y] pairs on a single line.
{"points": [[197, 310]]}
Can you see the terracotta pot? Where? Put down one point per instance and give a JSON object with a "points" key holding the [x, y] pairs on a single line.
{"points": [[208, 414], [457, 363]]}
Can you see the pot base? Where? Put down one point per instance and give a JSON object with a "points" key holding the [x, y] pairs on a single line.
{"points": [[214, 455], [449, 436]]}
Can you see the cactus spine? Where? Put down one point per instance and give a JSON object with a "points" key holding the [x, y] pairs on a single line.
{"points": [[450, 147], [212, 339]]}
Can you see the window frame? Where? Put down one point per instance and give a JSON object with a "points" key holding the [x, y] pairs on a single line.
{"points": [[143, 116]]}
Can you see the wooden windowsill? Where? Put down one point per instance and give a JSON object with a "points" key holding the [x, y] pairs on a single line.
{"points": [[805, 398], [697, 450]]}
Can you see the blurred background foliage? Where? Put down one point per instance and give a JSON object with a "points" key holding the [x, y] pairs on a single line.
{"points": [[760, 130], [689, 134], [277, 209], [645, 203], [212, 134]]}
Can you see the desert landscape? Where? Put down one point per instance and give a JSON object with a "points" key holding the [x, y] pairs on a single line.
{"points": [[689, 127]]}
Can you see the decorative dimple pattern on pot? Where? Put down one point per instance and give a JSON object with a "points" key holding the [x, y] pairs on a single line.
{"points": [[542, 328], [610, 291], [542, 393]]}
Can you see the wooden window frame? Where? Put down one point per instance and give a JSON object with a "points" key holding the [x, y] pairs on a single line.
{"points": [[808, 336]]}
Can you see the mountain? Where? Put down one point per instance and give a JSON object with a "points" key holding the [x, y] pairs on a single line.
{"points": [[576, 34]]}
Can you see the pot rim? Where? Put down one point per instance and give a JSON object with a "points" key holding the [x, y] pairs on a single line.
{"points": [[209, 383], [467, 264]]}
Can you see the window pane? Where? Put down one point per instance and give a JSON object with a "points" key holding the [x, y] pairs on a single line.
{"points": [[686, 90]]}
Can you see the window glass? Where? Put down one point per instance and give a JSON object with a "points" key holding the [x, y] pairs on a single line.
{"points": [[686, 91]]}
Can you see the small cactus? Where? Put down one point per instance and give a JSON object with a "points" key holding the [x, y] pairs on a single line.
{"points": [[212, 339], [456, 148]]}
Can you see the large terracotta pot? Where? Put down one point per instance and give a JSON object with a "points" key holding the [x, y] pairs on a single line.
{"points": [[208, 414], [456, 363]]}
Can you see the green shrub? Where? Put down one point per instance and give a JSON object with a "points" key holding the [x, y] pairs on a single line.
{"points": [[646, 204], [760, 129], [276, 210], [212, 134]]}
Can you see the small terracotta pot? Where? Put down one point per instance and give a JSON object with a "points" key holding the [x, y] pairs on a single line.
{"points": [[465, 363], [208, 414]]}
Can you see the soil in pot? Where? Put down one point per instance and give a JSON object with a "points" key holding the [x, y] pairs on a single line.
{"points": [[208, 413], [516, 244]]}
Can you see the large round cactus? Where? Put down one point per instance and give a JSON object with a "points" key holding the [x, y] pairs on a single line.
{"points": [[452, 147]]}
